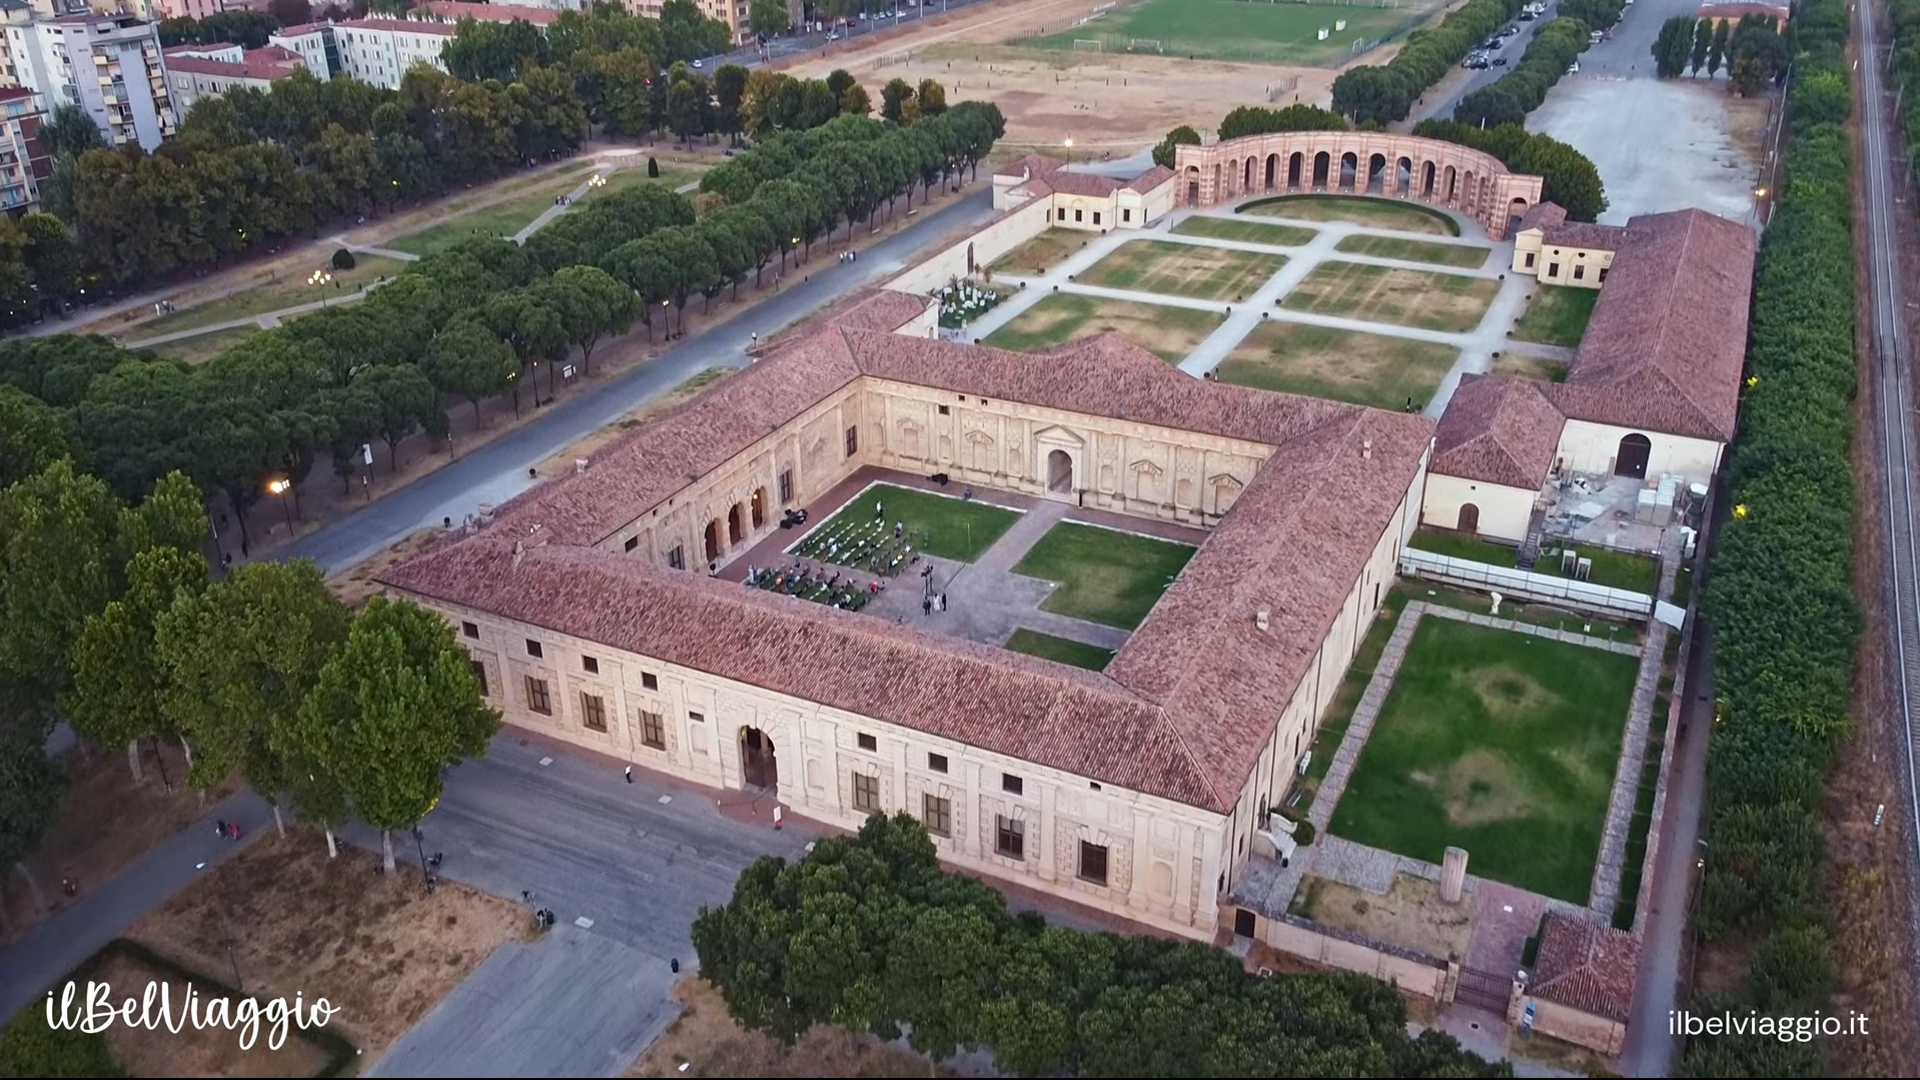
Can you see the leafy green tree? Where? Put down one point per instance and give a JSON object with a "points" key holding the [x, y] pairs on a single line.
{"points": [[768, 17], [68, 130], [729, 91], [32, 436], [1672, 46], [58, 540], [1757, 55], [530, 327], [31, 786], [30, 1047], [395, 706], [931, 97], [1702, 44], [893, 98], [1167, 148], [688, 34], [480, 51], [407, 403], [119, 682], [1258, 120], [855, 102], [1717, 46], [590, 303], [52, 260], [470, 360]]}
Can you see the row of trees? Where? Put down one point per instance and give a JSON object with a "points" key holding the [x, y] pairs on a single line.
{"points": [[1904, 15], [1508, 99], [1756, 50], [1570, 178], [1786, 625], [1251, 120], [1386, 93], [868, 934]]}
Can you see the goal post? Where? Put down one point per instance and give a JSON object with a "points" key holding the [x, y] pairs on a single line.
{"points": [[1087, 45], [1144, 43]]}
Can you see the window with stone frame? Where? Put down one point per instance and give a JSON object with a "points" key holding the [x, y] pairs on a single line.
{"points": [[1009, 837], [936, 814], [537, 699], [866, 793]]}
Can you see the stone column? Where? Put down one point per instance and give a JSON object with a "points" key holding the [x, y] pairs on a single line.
{"points": [[1453, 875]]}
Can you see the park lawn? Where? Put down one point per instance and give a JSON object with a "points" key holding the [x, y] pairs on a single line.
{"points": [[1420, 251], [943, 526], [1236, 31], [1059, 650], [1500, 743], [1042, 253], [1614, 569], [272, 296], [1341, 365], [1251, 232], [1557, 315], [200, 348], [1450, 303], [1380, 213], [1455, 545], [1104, 575], [506, 219], [1167, 332], [1175, 269]]}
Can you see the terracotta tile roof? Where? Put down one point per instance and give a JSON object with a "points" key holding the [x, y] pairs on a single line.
{"points": [[452, 10], [1668, 339], [1498, 429], [1031, 165], [1045, 175], [1078, 183], [1738, 10], [266, 65], [871, 308], [303, 28], [1584, 234], [400, 26], [1189, 702], [1586, 966], [1150, 179], [1541, 216]]}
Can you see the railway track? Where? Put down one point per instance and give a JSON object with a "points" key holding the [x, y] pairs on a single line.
{"points": [[1894, 383]]}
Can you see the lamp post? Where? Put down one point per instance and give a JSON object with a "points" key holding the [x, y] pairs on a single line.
{"points": [[284, 489], [320, 279]]}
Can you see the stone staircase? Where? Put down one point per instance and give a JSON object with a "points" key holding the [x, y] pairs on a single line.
{"points": [[1530, 547]]}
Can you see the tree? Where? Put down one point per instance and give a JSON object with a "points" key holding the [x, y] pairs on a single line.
{"points": [[58, 534], [1163, 153], [30, 1047], [394, 707], [68, 130], [52, 260], [1702, 42], [32, 436], [689, 35], [1257, 120], [1757, 56], [530, 327], [241, 659], [468, 359], [931, 97], [1717, 46], [1672, 46], [480, 51], [407, 402], [768, 17], [290, 12], [855, 102], [590, 303], [893, 99], [730, 90], [31, 787]]}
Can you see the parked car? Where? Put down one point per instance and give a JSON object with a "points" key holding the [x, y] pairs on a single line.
{"points": [[1573, 68], [1526, 16], [1499, 61], [1509, 32]]}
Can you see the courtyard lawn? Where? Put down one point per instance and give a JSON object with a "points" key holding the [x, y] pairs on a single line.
{"points": [[1365, 369], [505, 219], [945, 527], [1059, 650], [1176, 269], [1104, 576], [1451, 303], [1167, 332], [1042, 253], [1232, 30], [1557, 315], [203, 347], [1500, 743], [1455, 545], [1420, 251], [1252, 232], [1529, 367], [288, 291], [1614, 569], [1381, 213]]}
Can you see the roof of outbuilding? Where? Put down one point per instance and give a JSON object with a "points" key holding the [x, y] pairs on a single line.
{"points": [[1586, 966], [1498, 429]]}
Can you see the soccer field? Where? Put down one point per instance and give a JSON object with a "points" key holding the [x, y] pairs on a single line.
{"points": [[1248, 31]]}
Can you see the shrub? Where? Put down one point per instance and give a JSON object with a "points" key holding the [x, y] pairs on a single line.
{"points": [[653, 168], [1508, 99], [1386, 92], [28, 1047], [343, 259], [1571, 179]]}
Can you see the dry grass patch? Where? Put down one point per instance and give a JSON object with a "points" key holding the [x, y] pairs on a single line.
{"points": [[203, 347], [1042, 253], [1342, 365], [1167, 332], [1451, 303], [592, 443], [1176, 269], [707, 1042], [1393, 214], [376, 947], [1423, 251], [356, 585], [195, 1051], [1529, 367], [1410, 915]]}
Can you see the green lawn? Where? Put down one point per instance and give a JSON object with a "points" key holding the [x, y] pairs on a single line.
{"points": [[1059, 650], [1430, 300], [1341, 365], [938, 525], [289, 290], [507, 218], [1167, 332], [1232, 30], [1500, 743], [1613, 569], [1421, 251], [1175, 269], [1103, 575], [1381, 213], [1557, 315], [1252, 232], [203, 347], [1456, 545]]}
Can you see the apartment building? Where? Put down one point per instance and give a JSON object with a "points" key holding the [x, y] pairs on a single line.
{"points": [[110, 65], [200, 71], [380, 51], [23, 162], [452, 11], [314, 43]]}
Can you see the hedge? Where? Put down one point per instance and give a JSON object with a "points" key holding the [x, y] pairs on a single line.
{"points": [[1571, 179], [1508, 99], [1386, 92]]}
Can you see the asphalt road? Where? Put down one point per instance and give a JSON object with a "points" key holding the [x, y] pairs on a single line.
{"points": [[1512, 51], [497, 471]]}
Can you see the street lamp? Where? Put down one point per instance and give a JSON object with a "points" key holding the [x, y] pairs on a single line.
{"points": [[320, 279], [284, 488]]}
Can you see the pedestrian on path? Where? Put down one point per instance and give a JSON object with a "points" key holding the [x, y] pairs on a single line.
{"points": [[629, 774]]}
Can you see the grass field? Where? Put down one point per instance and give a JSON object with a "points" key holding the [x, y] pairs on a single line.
{"points": [[203, 347], [946, 528], [1252, 232], [1452, 303], [1529, 367], [1258, 33], [1059, 650], [1501, 743], [1421, 251], [1366, 369], [272, 296], [1176, 269], [1557, 315], [1167, 332], [1042, 253], [1613, 569], [1104, 576], [1358, 209], [509, 217]]}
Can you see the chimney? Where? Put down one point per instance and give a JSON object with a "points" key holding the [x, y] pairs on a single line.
{"points": [[579, 464], [1366, 450], [519, 553], [1260, 620]]}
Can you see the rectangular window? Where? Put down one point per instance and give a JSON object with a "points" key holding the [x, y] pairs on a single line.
{"points": [[1063, 213], [937, 762], [1126, 217], [1603, 275], [537, 696], [853, 441], [533, 648], [1012, 784], [1079, 214], [479, 675], [590, 665], [1553, 270], [593, 712], [868, 742], [1530, 257], [653, 731], [866, 793], [786, 485], [696, 717], [632, 542], [470, 629], [1093, 863], [677, 558], [649, 681], [943, 410], [1009, 837], [1579, 273], [1096, 217], [936, 814]]}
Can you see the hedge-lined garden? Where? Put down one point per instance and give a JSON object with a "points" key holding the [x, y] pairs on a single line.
{"points": [[1785, 621], [867, 933], [1385, 93]]}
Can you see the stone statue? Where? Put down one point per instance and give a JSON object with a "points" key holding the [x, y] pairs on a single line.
{"points": [[1496, 604]]}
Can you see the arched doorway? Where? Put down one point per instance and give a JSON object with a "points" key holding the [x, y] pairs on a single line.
{"points": [[1349, 170], [1273, 169], [736, 526], [1246, 176], [1631, 461], [1426, 183], [1469, 518], [1448, 181], [1060, 472], [1377, 174], [1193, 185], [1403, 176], [758, 767], [1322, 163], [760, 494], [1295, 162], [713, 540]]}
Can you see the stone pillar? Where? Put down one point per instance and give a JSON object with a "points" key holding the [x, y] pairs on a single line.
{"points": [[1453, 875]]}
